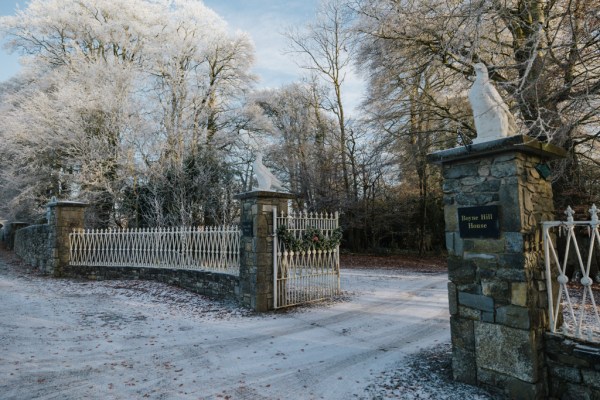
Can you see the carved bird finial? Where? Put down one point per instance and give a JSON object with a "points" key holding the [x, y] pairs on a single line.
{"points": [[493, 119], [266, 179]]}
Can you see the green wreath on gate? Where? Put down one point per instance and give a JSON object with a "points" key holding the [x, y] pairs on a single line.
{"points": [[312, 238]]}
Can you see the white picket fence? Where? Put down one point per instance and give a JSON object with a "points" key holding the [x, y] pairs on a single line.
{"points": [[573, 308], [307, 274], [197, 248]]}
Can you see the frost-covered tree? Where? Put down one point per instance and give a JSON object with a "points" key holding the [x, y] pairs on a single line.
{"points": [[305, 142], [67, 139], [324, 48], [543, 55], [113, 92]]}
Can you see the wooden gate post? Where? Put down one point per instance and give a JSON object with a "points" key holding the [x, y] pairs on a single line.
{"points": [[496, 194], [256, 261]]}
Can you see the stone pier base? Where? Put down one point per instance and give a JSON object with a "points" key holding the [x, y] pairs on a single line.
{"points": [[256, 269]]}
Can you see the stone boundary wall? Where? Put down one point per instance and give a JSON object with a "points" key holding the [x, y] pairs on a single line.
{"points": [[48, 247], [573, 368], [33, 245], [212, 284], [8, 231]]}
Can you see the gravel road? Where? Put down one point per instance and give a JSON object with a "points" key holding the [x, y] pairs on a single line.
{"points": [[64, 339]]}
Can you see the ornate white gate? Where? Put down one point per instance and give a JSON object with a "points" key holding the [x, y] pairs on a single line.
{"points": [[572, 304], [214, 248], [306, 262]]}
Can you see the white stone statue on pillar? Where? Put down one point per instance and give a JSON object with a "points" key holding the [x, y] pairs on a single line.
{"points": [[266, 179], [493, 119]]}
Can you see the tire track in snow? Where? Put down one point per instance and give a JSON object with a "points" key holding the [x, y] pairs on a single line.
{"points": [[99, 345]]}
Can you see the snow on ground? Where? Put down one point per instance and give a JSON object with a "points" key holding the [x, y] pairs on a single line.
{"points": [[425, 375], [64, 339]]}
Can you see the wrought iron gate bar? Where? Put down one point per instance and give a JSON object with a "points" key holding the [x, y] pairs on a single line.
{"points": [[308, 275], [198, 248]]}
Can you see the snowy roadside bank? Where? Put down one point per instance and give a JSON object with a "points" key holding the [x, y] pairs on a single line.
{"points": [[123, 340]]}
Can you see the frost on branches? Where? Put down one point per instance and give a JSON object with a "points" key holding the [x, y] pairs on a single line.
{"points": [[123, 104]]}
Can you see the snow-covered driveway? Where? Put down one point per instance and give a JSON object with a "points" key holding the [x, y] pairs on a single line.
{"points": [[133, 340]]}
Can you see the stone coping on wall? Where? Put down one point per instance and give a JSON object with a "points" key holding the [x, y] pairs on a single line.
{"points": [[522, 143], [265, 194], [67, 203], [573, 367], [19, 223]]}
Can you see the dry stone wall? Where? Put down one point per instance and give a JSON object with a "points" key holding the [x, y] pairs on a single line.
{"points": [[215, 285], [574, 368], [33, 245], [8, 232]]}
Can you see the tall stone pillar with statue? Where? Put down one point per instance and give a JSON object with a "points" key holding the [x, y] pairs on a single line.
{"points": [[497, 191], [258, 231]]}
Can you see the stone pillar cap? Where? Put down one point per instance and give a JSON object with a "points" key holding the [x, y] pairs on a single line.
{"points": [[518, 143], [265, 194], [67, 203]]}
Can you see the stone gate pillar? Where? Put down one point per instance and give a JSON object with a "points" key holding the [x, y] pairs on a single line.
{"points": [[256, 266], [63, 217], [496, 194]]}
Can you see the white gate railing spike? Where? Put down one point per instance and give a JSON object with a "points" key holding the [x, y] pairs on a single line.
{"points": [[569, 212], [594, 213]]}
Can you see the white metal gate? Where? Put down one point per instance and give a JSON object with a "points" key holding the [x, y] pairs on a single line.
{"points": [[572, 303], [306, 262], [214, 248]]}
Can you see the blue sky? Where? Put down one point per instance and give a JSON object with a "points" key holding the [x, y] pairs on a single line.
{"points": [[9, 64]]}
